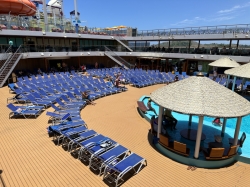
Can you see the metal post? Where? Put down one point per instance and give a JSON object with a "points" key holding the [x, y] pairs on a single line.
{"points": [[54, 15], [237, 130], [198, 137], [62, 16], [45, 15], [76, 13], [228, 76], [223, 127], [190, 120], [234, 84], [159, 121]]}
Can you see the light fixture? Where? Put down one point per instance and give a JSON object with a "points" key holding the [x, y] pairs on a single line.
{"points": [[201, 56], [88, 53], [50, 54], [247, 35], [67, 53], [112, 37], [42, 54], [44, 33], [65, 36], [194, 56], [236, 36], [169, 37], [79, 35], [130, 53], [82, 54]]}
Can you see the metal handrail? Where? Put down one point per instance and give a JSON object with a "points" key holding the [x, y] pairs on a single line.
{"points": [[6, 53], [120, 59], [8, 60], [219, 29]]}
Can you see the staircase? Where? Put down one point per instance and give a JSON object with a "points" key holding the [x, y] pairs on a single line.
{"points": [[9, 65], [5, 56], [119, 39], [113, 56]]}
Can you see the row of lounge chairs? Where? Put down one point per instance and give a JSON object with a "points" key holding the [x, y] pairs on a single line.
{"points": [[138, 77], [223, 81], [44, 91], [101, 153]]}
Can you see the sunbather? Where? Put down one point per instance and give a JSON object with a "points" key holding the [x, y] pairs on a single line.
{"points": [[86, 97]]}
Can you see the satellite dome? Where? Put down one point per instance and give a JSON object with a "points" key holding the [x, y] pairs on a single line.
{"points": [[55, 3]]}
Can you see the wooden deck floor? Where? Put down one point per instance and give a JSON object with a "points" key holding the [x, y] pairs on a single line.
{"points": [[28, 157]]}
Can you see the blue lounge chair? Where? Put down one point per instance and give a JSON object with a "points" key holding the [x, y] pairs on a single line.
{"points": [[66, 99], [35, 101], [58, 118], [31, 107], [90, 143], [114, 171], [63, 111], [97, 149], [98, 162], [67, 106], [17, 111], [71, 133], [81, 137], [64, 126]]}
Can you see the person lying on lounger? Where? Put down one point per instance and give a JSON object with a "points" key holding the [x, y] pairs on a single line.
{"points": [[86, 97]]}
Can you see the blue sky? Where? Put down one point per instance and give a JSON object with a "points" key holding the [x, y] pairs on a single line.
{"points": [[160, 14]]}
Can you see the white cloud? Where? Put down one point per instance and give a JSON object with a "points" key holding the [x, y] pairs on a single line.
{"points": [[189, 21], [222, 18], [233, 9], [221, 15]]}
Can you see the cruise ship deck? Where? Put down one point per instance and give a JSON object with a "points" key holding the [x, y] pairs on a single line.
{"points": [[30, 158]]}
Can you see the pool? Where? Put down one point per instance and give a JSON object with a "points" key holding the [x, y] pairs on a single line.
{"points": [[210, 128]]}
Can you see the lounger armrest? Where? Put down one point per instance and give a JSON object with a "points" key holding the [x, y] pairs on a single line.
{"points": [[99, 151], [90, 143], [110, 159]]}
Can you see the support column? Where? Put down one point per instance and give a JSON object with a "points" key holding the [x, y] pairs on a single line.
{"points": [[223, 127], [46, 64], [79, 62], [228, 76], [237, 130], [234, 84], [159, 121], [166, 65], [45, 15], [198, 137], [190, 120], [242, 83]]}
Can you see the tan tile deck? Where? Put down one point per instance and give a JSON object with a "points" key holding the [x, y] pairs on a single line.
{"points": [[28, 157]]}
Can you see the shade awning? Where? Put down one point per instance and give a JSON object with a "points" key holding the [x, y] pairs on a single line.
{"points": [[225, 62], [201, 96], [241, 71]]}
